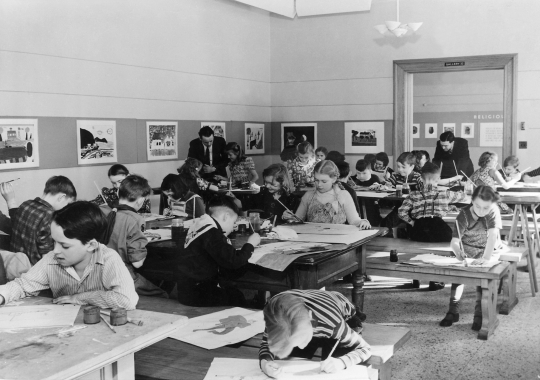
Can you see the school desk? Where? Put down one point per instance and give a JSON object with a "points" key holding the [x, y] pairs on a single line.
{"points": [[91, 353]]}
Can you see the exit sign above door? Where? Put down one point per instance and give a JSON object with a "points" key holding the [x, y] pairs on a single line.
{"points": [[454, 64]]}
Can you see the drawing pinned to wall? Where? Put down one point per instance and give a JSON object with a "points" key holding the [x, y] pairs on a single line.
{"points": [[491, 134], [467, 130], [161, 140], [449, 127], [364, 137], [18, 143], [254, 138], [293, 134], [96, 141], [416, 131], [431, 131], [218, 128]]}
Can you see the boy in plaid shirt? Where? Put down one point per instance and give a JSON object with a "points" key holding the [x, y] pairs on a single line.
{"points": [[424, 209]]}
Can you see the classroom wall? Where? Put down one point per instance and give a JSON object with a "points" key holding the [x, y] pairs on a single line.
{"points": [[338, 67]]}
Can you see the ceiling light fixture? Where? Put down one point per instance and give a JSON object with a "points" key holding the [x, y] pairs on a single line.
{"points": [[397, 28]]}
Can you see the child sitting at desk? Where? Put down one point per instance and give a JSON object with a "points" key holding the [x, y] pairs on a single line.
{"points": [[346, 182], [365, 178], [79, 270], [328, 202], [510, 170], [479, 225], [301, 168], [207, 252], [181, 199], [380, 166], [298, 322], [276, 196], [241, 168], [125, 231], [321, 153]]}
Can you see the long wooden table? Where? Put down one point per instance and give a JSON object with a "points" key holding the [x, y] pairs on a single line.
{"points": [[91, 353]]}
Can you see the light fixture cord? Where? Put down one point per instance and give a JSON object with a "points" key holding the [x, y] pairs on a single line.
{"points": [[397, 7]]}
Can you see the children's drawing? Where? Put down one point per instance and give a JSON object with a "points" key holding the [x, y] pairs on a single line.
{"points": [[364, 137], [96, 141], [18, 143], [467, 130], [218, 128], [293, 134], [20, 317], [449, 127], [416, 131], [431, 131], [161, 140], [222, 328], [254, 138]]}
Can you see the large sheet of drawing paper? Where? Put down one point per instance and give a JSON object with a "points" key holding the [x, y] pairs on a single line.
{"points": [[451, 261], [222, 328], [158, 234], [323, 228], [350, 238], [248, 369], [278, 256], [38, 316]]}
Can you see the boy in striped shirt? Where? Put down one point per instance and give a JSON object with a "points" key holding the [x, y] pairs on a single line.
{"points": [[79, 270], [303, 320]]}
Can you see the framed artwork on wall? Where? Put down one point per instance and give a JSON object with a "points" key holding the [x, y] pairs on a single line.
{"points": [[254, 138], [416, 131], [449, 127], [161, 140], [218, 128], [293, 134], [431, 131], [19, 147], [467, 130], [364, 137], [96, 142]]}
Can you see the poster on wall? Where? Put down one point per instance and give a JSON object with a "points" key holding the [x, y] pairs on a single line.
{"points": [[254, 138], [96, 141], [431, 131], [416, 131], [364, 137], [467, 130], [161, 140], [18, 143], [449, 127], [491, 134], [217, 127], [293, 134]]}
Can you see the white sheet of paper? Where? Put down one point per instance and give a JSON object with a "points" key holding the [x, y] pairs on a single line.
{"points": [[281, 247], [338, 239], [323, 228], [453, 261], [371, 194], [164, 234], [37, 316], [248, 369], [222, 328]]}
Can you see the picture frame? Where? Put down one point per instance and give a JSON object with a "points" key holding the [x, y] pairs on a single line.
{"points": [[467, 130], [364, 137], [431, 131], [19, 144], [219, 128], [254, 138], [96, 142], [416, 131], [451, 127], [295, 133], [161, 140]]}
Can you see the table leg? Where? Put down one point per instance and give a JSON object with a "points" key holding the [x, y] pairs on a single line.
{"points": [[530, 258], [509, 297], [385, 370], [490, 320], [363, 208], [536, 227], [357, 279]]}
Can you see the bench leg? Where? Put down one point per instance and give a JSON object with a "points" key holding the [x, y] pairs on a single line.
{"points": [[509, 283], [490, 320]]}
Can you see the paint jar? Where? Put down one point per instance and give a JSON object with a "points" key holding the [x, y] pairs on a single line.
{"points": [[393, 256], [177, 228], [468, 188], [406, 189], [255, 220], [118, 317], [399, 190], [91, 315]]}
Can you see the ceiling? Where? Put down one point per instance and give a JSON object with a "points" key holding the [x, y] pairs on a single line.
{"points": [[303, 8]]}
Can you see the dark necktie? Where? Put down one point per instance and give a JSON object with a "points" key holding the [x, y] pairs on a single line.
{"points": [[207, 155]]}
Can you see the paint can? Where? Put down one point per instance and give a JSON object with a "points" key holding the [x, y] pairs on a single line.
{"points": [[118, 317], [393, 256], [91, 315]]}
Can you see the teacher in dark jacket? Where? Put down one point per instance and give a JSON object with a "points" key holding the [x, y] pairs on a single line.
{"points": [[450, 150], [210, 150]]}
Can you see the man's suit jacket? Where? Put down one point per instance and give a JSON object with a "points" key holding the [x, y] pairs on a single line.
{"points": [[219, 156], [460, 155]]}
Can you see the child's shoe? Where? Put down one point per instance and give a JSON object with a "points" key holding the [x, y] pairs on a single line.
{"points": [[449, 319]]}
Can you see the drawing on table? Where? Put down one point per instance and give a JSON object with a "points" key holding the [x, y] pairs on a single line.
{"points": [[228, 324], [37, 316]]}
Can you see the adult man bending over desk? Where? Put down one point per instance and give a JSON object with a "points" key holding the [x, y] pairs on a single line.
{"points": [[79, 270], [210, 150]]}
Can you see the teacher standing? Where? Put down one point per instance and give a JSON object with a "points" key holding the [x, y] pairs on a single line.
{"points": [[453, 150], [210, 150]]}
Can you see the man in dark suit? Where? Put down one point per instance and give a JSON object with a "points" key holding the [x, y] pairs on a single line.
{"points": [[210, 150], [450, 150]]}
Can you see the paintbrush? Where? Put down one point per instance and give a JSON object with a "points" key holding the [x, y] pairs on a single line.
{"points": [[461, 244], [108, 324], [293, 214], [455, 167], [468, 178], [12, 180], [97, 187], [330, 354], [136, 322]]}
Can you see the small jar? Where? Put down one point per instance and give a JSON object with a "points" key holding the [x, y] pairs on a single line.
{"points": [[177, 228], [393, 256]]}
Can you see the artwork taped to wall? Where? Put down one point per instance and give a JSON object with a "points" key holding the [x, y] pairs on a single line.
{"points": [[254, 138], [467, 130], [416, 131], [19, 147], [96, 142], [491, 134], [431, 131], [364, 137], [218, 128], [161, 140], [293, 134], [449, 127]]}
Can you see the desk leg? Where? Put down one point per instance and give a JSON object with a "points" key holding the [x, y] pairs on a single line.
{"points": [[363, 207], [509, 297], [385, 370], [124, 368], [531, 257], [490, 320], [358, 279], [513, 229]]}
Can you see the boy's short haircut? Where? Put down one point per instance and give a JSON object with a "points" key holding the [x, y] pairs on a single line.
{"points": [[344, 169], [362, 165], [221, 202], [383, 157], [370, 158], [511, 161], [81, 220], [407, 158], [117, 169], [335, 156], [60, 184], [133, 187], [424, 153], [430, 170]]}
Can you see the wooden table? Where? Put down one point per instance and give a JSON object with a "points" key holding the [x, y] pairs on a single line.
{"points": [[91, 353]]}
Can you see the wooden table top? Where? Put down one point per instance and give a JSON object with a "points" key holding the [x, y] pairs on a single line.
{"points": [[520, 197]]}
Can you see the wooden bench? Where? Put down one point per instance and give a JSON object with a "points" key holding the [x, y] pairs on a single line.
{"points": [[487, 278], [173, 359]]}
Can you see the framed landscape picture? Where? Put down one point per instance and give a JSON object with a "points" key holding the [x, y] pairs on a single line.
{"points": [[96, 141], [161, 140], [19, 147], [254, 138], [364, 137], [218, 128]]}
